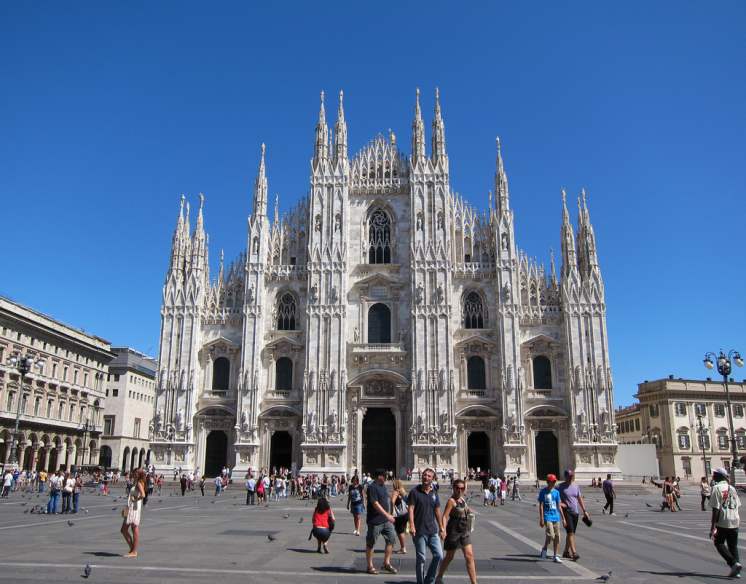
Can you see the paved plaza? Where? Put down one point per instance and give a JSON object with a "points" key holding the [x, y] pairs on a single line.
{"points": [[209, 539]]}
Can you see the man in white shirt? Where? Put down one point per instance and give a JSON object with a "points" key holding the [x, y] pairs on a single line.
{"points": [[250, 490], [55, 486], [7, 483], [725, 520]]}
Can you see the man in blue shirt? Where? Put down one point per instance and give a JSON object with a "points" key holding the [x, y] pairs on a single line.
{"points": [[425, 526], [550, 515]]}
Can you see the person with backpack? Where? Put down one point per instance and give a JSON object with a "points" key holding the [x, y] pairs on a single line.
{"points": [[355, 503], [401, 514], [725, 520]]}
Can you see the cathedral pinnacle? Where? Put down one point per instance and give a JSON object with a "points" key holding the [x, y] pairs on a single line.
{"points": [[260, 186], [439, 132], [418, 132], [321, 147], [569, 261], [502, 194], [340, 131]]}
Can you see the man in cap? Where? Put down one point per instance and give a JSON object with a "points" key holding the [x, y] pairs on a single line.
{"points": [[573, 505], [380, 522], [725, 520], [550, 515]]}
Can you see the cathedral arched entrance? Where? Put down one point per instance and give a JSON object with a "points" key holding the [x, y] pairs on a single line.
{"points": [[478, 451], [280, 450], [216, 452], [379, 440], [547, 454]]}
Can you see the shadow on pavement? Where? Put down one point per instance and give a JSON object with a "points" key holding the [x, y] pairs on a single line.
{"points": [[103, 554], [685, 574]]}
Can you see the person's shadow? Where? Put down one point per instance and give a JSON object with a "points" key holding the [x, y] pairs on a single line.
{"points": [[103, 554]]}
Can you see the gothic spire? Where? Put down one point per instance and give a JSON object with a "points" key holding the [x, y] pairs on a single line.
{"points": [[418, 132], [552, 268], [340, 132], [502, 195], [177, 242], [220, 270], [587, 239], [260, 187], [321, 147], [277, 209], [569, 261], [439, 132]]}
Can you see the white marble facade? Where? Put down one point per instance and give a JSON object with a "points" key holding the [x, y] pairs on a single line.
{"points": [[384, 321]]}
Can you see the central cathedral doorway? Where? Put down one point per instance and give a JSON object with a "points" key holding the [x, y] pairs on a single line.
{"points": [[547, 454], [379, 440], [281, 450], [216, 453], [478, 449]]}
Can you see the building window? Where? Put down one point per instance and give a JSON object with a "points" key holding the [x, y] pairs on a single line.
{"points": [[9, 404], [221, 371], [740, 440], [85, 379], [284, 374], [474, 313], [379, 324], [114, 393], [738, 411], [722, 439], [49, 408], [71, 414], [75, 377], [703, 441], [654, 410], [700, 409], [680, 409], [61, 411], [637, 424], [286, 313], [542, 373], [116, 377], [24, 403], [64, 374], [108, 425], [379, 238], [137, 428], [475, 374], [37, 406], [684, 442], [720, 410], [686, 463]]}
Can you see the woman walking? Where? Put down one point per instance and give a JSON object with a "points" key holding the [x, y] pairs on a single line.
{"points": [[355, 502], [67, 493], [323, 524], [705, 491], [133, 513], [456, 524], [401, 514]]}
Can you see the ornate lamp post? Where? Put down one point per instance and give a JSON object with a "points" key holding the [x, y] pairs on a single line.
{"points": [[23, 365], [702, 433], [724, 367], [86, 426]]}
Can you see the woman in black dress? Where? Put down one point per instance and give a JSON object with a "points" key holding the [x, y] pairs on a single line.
{"points": [[455, 521]]}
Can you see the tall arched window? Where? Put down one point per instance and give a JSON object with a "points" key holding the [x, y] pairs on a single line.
{"points": [[542, 373], [221, 371], [475, 375], [283, 374], [474, 313], [379, 324], [286, 313], [379, 238]]}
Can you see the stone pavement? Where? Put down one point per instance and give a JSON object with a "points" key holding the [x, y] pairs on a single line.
{"points": [[201, 539]]}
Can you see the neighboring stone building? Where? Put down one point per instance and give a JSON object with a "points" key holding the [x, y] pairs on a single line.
{"points": [[629, 425], [670, 409], [58, 399], [384, 323], [129, 409]]}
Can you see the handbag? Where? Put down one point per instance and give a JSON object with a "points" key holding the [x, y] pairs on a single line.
{"points": [[401, 508], [471, 519], [331, 524]]}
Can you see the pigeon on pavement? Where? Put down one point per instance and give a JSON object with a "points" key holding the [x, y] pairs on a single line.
{"points": [[285, 516], [70, 523], [300, 520], [604, 577], [87, 571], [271, 537]]}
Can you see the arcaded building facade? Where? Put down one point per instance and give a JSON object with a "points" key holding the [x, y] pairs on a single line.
{"points": [[384, 323]]}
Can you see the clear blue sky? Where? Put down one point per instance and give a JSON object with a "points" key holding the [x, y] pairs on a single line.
{"points": [[109, 111]]}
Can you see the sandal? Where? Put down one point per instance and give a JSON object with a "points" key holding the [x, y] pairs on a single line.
{"points": [[372, 571]]}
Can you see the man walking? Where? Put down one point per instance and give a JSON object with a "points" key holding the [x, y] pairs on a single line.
{"points": [[572, 504], [425, 527], [725, 520], [550, 515], [380, 522], [55, 486], [610, 494]]}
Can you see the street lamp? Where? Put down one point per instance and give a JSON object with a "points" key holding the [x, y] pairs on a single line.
{"points": [[702, 433], [23, 365], [724, 368], [86, 426]]}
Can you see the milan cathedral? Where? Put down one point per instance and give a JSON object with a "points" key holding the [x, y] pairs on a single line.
{"points": [[384, 323]]}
